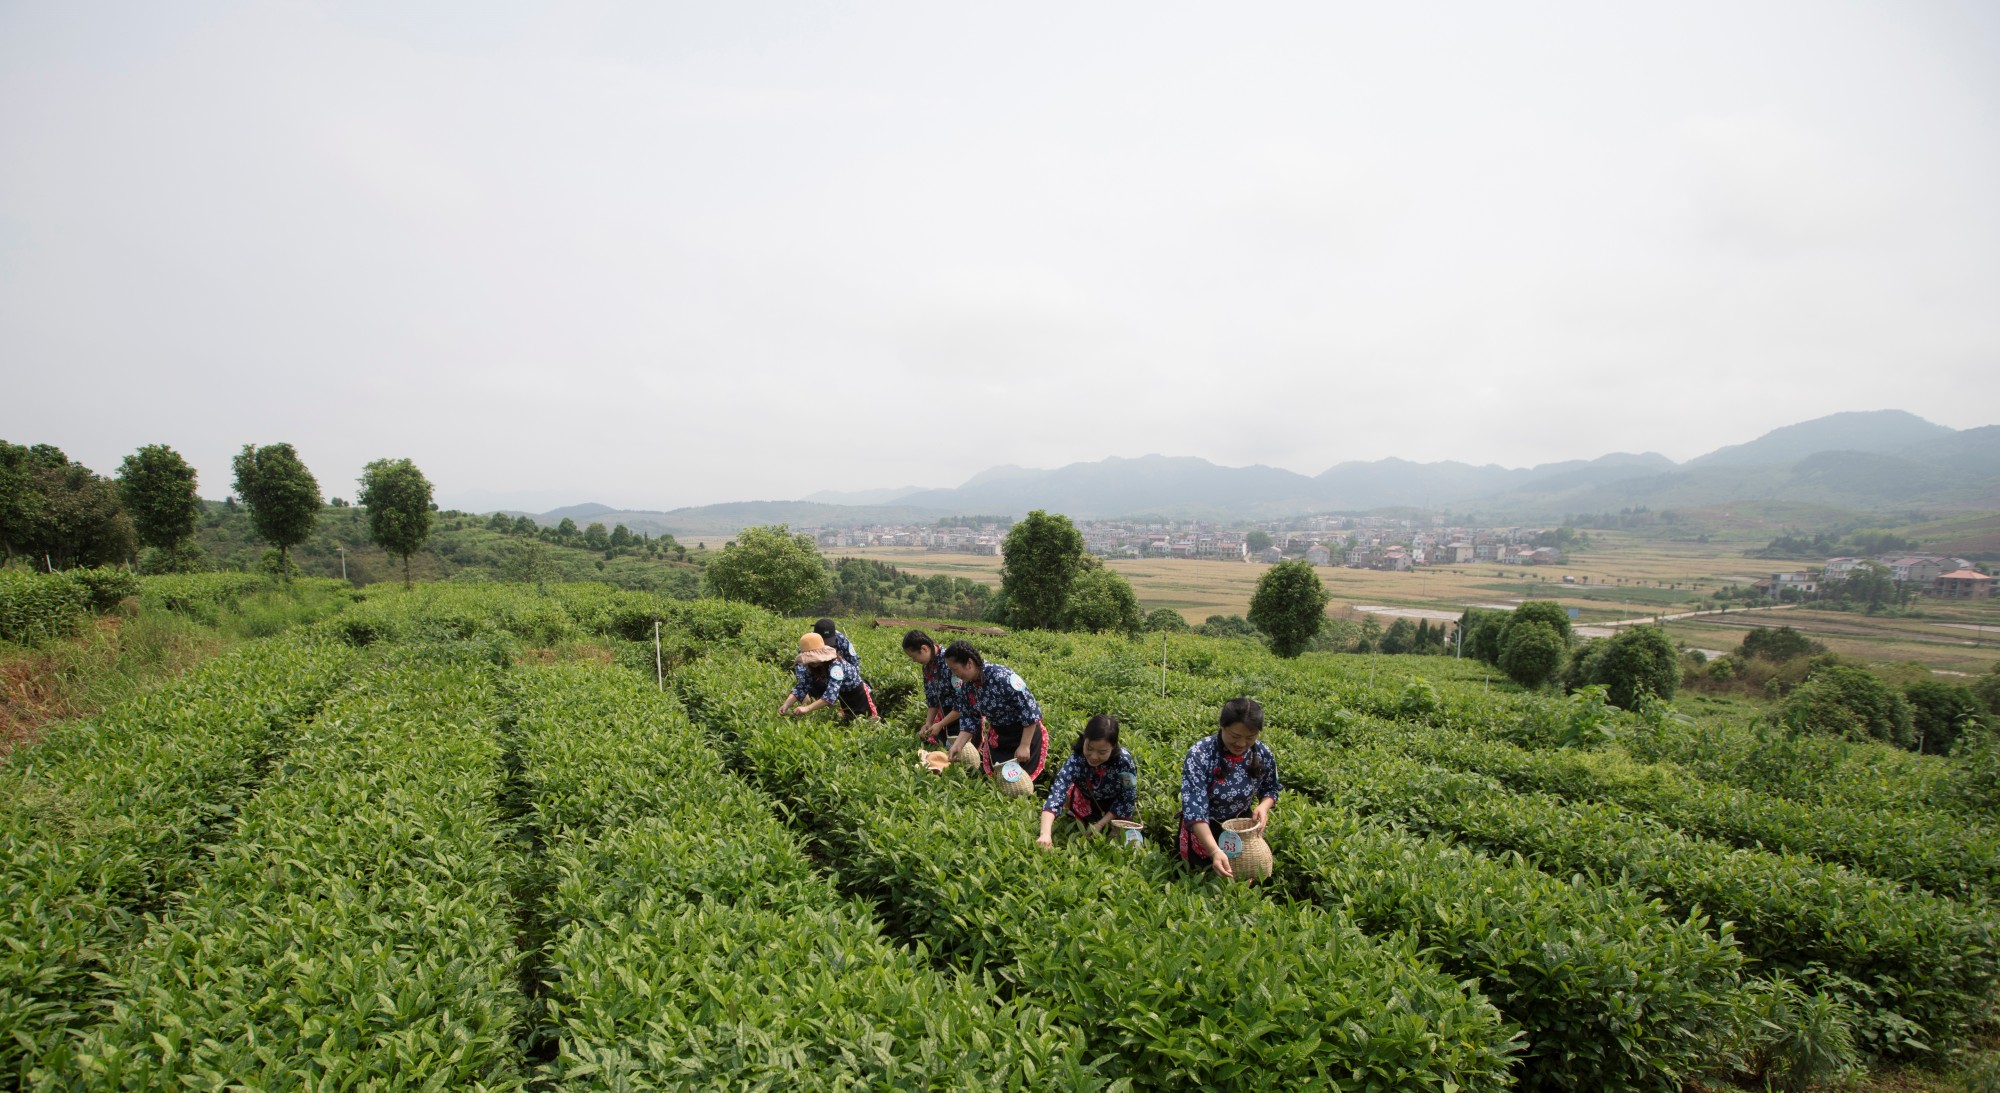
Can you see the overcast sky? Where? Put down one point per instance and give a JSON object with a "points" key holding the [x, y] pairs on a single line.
{"points": [[660, 255]]}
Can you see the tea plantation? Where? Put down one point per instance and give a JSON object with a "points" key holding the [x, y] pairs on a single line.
{"points": [[462, 837]]}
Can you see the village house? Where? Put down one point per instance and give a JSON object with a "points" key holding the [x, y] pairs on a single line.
{"points": [[1916, 569], [1839, 569], [1318, 555], [1962, 584]]}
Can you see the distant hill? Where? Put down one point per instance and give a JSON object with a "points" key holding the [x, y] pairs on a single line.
{"points": [[1857, 431], [1869, 461]]}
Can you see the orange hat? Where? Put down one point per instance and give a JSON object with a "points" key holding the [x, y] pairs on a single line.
{"points": [[813, 649], [810, 642]]}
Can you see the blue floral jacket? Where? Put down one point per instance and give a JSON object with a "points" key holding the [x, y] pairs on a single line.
{"points": [[1217, 786], [1113, 787], [1001, 697], [841, 675]]}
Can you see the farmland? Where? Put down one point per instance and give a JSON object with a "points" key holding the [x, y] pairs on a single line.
{"points": [[460, 837]]}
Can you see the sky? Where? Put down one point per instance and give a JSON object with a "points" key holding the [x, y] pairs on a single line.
{"points": [[659, 255]]}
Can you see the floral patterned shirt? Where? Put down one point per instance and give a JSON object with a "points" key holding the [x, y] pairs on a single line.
{"points": [[1113, 787], [845, 648], [937, 684], [1000, 696], [1218, 786], [840, 676]]}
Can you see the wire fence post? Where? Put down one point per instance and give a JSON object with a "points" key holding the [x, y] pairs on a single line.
{"points": [[1163, 664], [659, 668]]}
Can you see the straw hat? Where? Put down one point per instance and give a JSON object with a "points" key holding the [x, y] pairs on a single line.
{"points": [[813, 649]]}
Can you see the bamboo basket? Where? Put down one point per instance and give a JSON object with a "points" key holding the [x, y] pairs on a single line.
{"points": [[1252, 861], [968, 757], [1020, 785]]}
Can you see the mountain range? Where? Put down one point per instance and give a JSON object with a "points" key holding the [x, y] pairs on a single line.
{"points": [[1867, 461]]}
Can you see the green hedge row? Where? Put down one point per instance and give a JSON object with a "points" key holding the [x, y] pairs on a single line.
{"points": [[38, 607], [695, 945], [354, 933], [1181, 984], [103, 820], [1920, 969], [1612, 992]]}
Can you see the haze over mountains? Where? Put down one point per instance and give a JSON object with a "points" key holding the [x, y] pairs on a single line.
{"points": [[1864, 461]]}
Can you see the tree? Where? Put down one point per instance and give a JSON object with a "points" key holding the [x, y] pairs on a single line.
{"points": [[527, 562], [1777, 645], [1226, 626], [1547, 612], [1041, 558], [772, 568], [1257, 541], [1987, 689], [1940, 713], [1843, 700], [1636, 661], [1531, 652], [398, 499], [566, 532], [1401, 637], [500, 522], [621, 537], [282, 494], [1289, 605], [1166, 620], [524, 525], [21, 499], [64, 514], [158, 488], [1100, 600], [1482, 627], [596, 538]]}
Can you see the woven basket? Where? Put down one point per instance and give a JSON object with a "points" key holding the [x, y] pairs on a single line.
{"points": [[1253, 861], [1019, 786], [968, 757], [1129, 832]]}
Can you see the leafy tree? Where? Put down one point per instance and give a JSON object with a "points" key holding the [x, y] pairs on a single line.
{"points": [[596, 538], [282, 494], [398, 499], [621, 537], [1987, 689], [1869, 584], [528, 562], [1843, 700], [500, 522], [20, 500], [1042, 556], [1290, 606], [1258, 540], [1481, 627], [1226, 626], [1531, 652], [1636, 661], [1101, 600], [1166, 620], [566, 532], [158, 488], [1777, 645], [1547, 612], [1401, 637], [772, 568], [72, 516], [1940, 713], [524, 525]]}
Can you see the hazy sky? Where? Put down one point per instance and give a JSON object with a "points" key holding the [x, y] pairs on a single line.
{"points": [[659, 255]]}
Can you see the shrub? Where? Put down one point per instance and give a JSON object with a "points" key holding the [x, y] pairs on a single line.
{"points": [[36, 607], [1843, 700], [1940, 712], [1530, 653]]}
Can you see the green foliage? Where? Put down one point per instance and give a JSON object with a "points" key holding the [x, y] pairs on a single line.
{"points": [[1482, 627], [771, 568], [1792, 1039], [282, 495], [863, 586], [398, 499], [1635, 663], [1166, 620], [1987, 689], [1290, 606], [37, 607], [57, 512], [1101, 601], [367, 886], [1843, 700], [100, 822], [699, 947], [158, 488], [1547, 612], [1940, 712], [1042, 556], [1531, 652], [1107, 945], [1779, 644], [1228, 626]]}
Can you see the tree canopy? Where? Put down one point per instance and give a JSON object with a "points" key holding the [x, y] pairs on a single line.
{"points": [[1290, 606], [1041, 558], [158, 489], [283, 496], [1101, 600], [398, 499], [772, 568]]}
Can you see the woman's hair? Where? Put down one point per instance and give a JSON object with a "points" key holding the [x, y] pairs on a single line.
{"points": [[1246, 711], [962, 652], [917, 639], [1101, 727], [1250, 714], [825, 628]]}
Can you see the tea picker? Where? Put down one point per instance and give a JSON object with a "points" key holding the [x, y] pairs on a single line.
{"points": [[928, 656], [822, 679], [1229, 783], [995, 700], [1097, 784]]}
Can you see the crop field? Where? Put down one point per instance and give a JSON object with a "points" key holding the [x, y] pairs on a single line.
{"points": [[462, 837], [1629, 577]]}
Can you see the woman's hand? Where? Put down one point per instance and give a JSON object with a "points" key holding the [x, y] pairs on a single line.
{"points": [[1021, 753], [1219, 862], [1046, 840], [1262, 813]]}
